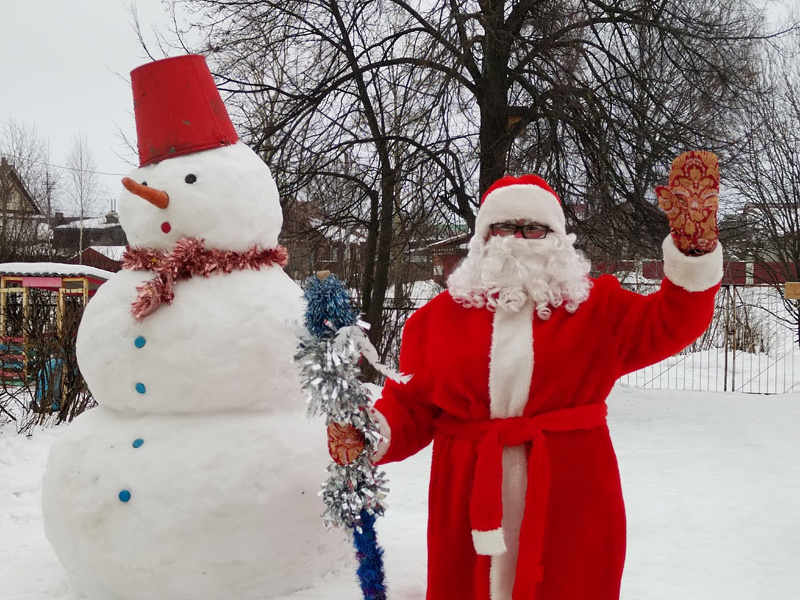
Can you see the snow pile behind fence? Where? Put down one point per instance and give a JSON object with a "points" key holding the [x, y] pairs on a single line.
{"points": [[751, 346]]}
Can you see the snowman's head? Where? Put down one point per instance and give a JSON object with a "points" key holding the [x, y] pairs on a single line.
{"points": [[225, 196]]}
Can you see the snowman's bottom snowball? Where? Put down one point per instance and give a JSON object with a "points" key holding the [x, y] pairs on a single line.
{"points": [[220, 507]]}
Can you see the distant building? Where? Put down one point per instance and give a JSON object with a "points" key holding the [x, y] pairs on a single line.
{"points": [[108, 258], [14, 195], [314, 245], [24, 231], [447, 254], [97, 231]]}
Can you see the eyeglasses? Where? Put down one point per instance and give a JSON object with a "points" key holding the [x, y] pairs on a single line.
{"points": [[529, 232]]}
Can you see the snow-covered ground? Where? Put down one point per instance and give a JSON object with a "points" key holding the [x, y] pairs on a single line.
{"points": [[711, 483]]}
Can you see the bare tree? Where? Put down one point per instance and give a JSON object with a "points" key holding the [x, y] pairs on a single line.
{"points": [[83, 186], [767, 176], [27, 186], [420, 106], [601, 94], [343, 135]]}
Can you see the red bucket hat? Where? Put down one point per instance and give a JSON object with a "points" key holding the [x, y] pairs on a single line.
{"points": [[178, 109]]}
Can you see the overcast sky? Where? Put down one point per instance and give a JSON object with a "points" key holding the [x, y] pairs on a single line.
{"points": [[64, 67]]}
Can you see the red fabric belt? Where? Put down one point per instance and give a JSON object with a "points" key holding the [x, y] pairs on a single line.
{"points": [[486, 496]]}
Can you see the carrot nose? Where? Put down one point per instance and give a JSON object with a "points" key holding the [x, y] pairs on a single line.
{"points": [[156, 197]]}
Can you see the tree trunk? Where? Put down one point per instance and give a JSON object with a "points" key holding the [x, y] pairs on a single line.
{"points": [[493, 97], [383, 257], [368, 280]]}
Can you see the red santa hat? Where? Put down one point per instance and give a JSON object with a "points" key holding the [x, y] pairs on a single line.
{"points": [[178, 109], [526, 197]]}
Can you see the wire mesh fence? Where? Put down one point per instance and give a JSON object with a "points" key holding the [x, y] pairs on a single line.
{"points": [[751, 346]]}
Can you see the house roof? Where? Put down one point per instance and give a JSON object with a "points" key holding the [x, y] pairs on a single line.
{"points": [[90, 223], [48, 269], [457, 241], [9, 173]]}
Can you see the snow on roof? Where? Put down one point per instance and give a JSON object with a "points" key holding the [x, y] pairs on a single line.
{"points": [[112, 252], [457, 241], [91, 223], [48, 269]]}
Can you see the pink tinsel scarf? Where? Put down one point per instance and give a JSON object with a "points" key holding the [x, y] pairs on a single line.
{"points": [[189, 257]]}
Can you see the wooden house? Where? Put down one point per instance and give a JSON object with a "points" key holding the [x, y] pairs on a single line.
{"points": [[24, 230]]}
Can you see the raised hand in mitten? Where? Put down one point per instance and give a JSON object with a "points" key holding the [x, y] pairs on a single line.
{"points": [[345, 443], [691, 200]]}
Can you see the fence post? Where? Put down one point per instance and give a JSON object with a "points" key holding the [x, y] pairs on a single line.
{"points": [[733, 348], [727, 329]]}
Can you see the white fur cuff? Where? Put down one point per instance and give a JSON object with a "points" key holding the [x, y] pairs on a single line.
{"points": [[386, 433], [692, 273], [489, 543]]}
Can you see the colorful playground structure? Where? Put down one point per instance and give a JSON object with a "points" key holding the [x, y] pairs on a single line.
{"points": [[40, 307]]}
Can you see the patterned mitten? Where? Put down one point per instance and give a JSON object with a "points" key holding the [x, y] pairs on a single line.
{"points": [[690, 201], [345, 443]]}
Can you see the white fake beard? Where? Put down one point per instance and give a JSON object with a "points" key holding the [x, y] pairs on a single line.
{"points": [[507, 272]]}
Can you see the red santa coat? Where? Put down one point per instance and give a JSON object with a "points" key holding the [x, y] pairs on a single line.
{"points": [[563, 519]]}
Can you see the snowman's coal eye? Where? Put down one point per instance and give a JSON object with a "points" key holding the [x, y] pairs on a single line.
{"points": [[144, 183], [191, 178]]}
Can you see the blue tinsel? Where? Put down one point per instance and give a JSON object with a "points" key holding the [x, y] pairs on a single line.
{"points": [[370, 559], [327, 306]]}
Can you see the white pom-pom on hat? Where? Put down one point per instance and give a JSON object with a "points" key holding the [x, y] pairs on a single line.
{"points": [[525, 197]]}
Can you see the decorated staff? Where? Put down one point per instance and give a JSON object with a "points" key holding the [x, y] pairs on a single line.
{"points": [[355, 489]]}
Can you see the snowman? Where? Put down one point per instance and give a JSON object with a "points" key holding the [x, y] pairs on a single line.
{"points": [[196, 477]]}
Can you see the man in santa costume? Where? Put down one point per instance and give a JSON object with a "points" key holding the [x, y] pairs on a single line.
{"points": [[511, 369]]}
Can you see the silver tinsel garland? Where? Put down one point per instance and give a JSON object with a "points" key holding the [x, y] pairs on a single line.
{"points": [[329, 367]]}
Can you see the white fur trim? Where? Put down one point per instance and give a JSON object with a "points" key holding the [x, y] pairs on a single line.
{"points": [[386, 434], [489, 543], [520, 201], [510, 362], [502, 572], [510, 372], [692, 273]]}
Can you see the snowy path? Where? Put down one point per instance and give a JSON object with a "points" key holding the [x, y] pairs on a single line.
{"points": [[712, 486]]}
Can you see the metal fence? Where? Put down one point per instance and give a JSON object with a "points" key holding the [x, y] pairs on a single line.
{"points": [[751, 346]]}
